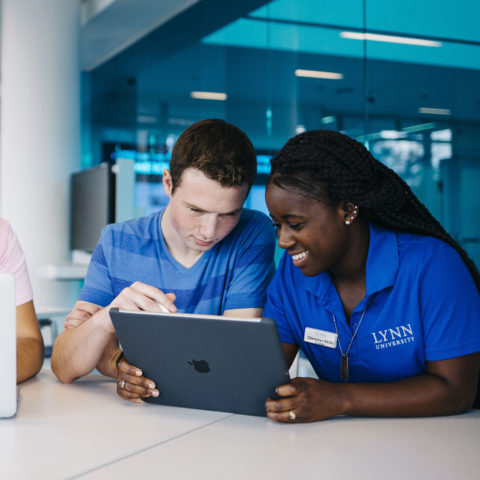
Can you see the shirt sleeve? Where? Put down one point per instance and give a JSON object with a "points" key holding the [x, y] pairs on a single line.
{"points": [[254, 266], [450, 305], [97, 288], [12, 260], [275, 306]]}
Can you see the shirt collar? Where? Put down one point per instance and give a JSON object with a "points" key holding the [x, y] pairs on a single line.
{"points": [[382, 267]]}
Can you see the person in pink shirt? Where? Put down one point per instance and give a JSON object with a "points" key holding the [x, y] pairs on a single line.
{"points": [[30, 349]]}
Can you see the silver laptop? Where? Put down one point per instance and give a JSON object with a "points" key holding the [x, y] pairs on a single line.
{"points": [[205, 361], [8, 346]]}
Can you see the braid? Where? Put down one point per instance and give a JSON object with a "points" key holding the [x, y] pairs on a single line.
{"points": [[332, 167]]}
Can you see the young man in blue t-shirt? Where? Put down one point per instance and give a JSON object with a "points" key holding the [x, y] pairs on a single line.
{"points": [[202, 254]]}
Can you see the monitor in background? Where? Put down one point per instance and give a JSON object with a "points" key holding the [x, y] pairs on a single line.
{"points": [[92, 205]]}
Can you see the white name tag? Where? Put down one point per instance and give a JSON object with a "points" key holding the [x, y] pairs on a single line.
{"points": [[321, 337]]}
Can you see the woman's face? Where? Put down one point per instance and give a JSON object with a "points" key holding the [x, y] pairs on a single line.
{"points": [[313, 233]]}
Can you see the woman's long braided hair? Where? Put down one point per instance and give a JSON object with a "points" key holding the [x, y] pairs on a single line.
{"points": [[331, 167]]}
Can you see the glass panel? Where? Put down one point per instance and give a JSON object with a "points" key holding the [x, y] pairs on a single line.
{"points": [[409, 90], [428, 93], [426, 18], [274, 71], [326, 12]]}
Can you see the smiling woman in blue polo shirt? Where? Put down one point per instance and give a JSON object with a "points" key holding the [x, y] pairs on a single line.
{"points": [[382, 301]]}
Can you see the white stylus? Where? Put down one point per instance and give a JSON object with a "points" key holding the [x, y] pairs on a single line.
{"points": [[162, 308]]}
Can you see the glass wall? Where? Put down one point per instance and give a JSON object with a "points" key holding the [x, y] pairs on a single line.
{"points": [[400, 76]]}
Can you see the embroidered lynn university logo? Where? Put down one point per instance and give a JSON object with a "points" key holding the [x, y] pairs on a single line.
{"points": [[392, 337]]}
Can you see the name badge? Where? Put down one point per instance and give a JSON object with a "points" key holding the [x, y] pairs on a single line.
{"points": [[320, 337]]}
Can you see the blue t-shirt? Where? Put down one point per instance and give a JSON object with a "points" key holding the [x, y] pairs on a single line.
{"points": [[233, 274], [423, 305]]}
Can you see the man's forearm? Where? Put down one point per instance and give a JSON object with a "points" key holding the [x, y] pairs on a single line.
{"points": [[30, 355], [77, 351]]}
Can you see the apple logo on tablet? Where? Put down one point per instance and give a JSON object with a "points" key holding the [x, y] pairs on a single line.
{"points": [[200, 365]]}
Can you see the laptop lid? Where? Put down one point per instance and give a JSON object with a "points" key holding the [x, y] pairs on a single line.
{"points": [[8, 346], [205, 361]]}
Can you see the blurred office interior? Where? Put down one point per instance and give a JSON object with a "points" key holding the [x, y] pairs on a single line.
{"points": [[119, 80]]}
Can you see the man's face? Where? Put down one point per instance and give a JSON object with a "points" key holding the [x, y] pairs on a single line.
{"points": [[201, 212]]}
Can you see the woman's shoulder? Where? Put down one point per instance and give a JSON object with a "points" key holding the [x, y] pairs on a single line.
{"points": [[413, 250], [4, 224], [420, 250], [5, 230], [421, 243], [7, 236]]}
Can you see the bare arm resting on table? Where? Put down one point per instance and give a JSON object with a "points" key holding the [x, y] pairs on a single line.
{"points": [[30, 350], [83, 311], [83, 343], [448, 387], [92, 343]]}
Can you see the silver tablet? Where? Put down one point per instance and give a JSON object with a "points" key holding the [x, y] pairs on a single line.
{"points": [[205, 361]]}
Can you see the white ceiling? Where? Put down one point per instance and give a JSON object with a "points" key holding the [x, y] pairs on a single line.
{"points": [[110, 26]]}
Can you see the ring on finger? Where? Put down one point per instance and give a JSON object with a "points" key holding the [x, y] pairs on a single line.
{"points": [[292, 414], [122, 383]]}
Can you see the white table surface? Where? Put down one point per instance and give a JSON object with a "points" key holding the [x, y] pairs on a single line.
{"points": [[241, 447], [84, 430], [61, 431]]}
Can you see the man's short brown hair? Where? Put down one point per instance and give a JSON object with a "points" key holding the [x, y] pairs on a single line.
{"points": [[220, 150]]}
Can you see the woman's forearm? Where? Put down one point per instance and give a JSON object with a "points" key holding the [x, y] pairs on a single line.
{"points": [[30, 353]]}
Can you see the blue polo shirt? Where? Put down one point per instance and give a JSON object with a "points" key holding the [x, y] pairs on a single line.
{"points": [[422, 306], [233, 274]]}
